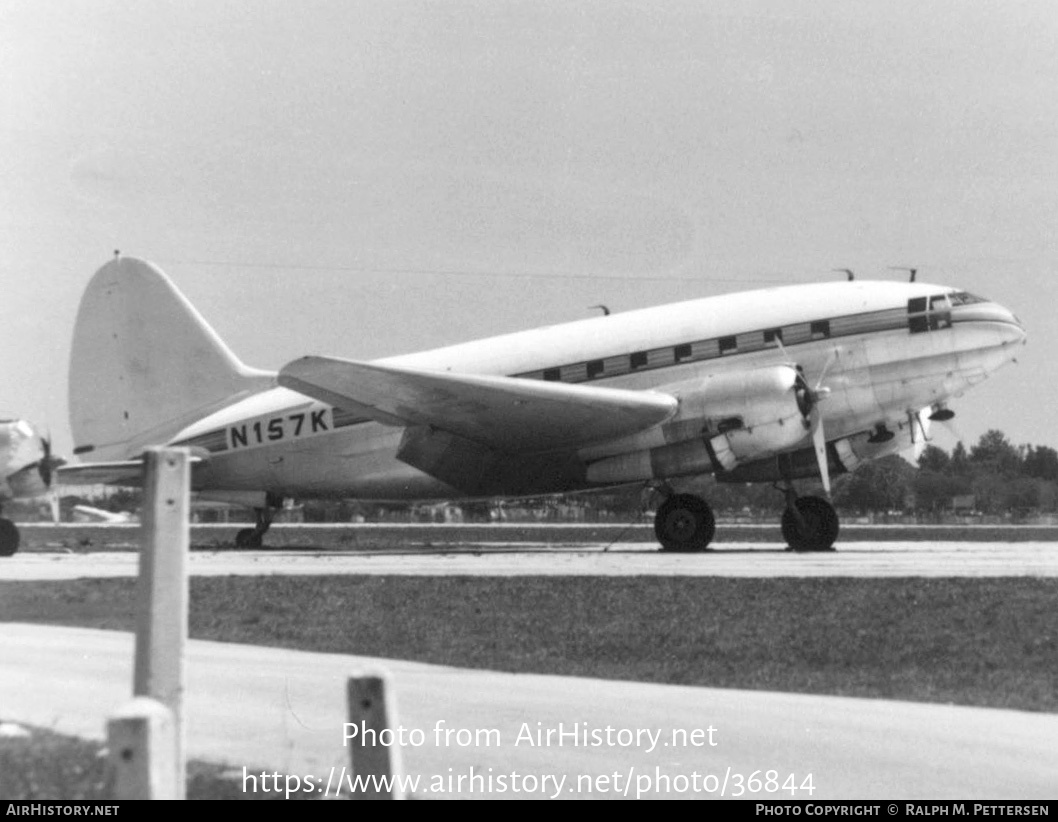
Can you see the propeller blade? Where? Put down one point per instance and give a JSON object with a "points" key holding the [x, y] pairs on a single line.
{"points": [[47, 464], [44, 466], [819, 441], [831, 359]]}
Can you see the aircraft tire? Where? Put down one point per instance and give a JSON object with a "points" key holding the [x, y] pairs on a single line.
{"points": [[248, 538], [9, 538], [820, 529], [684, 523]]}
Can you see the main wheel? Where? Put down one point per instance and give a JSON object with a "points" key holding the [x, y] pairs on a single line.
{"points": [[684, 522], [815, 530], [9, 538], [248, 538]]}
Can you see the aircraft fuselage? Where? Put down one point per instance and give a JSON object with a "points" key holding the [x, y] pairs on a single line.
{"points": [[884, 350]]}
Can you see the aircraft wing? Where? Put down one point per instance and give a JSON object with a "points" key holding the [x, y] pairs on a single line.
{"points": [[505, 414]]}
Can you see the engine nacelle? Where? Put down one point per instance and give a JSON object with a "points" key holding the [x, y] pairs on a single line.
{"points": [[26, 484], [843, 456], [25, 461], [723, 420]]}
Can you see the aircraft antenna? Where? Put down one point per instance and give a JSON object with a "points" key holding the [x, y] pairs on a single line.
{"points": [[911, 271], [848, 272], [605, 310]]}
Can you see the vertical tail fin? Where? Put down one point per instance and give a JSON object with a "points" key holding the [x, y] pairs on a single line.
{"points": [[145, 364]]}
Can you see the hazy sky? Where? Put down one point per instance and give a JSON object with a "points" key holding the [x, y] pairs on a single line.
{"points": [[370, 178]]}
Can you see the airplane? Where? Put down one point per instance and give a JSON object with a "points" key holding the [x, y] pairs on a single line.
{"points": [[27, 469], [772, 385], [86, 513]]}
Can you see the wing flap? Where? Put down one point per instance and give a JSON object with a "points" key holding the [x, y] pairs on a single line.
{"points": [[507, 414]]}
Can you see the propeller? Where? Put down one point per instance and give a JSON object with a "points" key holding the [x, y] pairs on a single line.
{"points": [[808, 399], [32, 473], [47, 462], [54, 504]]}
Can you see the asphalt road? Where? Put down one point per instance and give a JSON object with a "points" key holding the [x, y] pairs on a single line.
{"points": [[283, 711]]}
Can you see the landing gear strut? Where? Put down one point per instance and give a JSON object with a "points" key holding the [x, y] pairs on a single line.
{"points": [[808, 523], [251, 537], [684, 523], [9, 538]]}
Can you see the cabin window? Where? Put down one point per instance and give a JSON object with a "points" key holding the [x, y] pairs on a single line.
{"points": [[552, 374], [594, 368], [682, 352], [728, 345], [820, 329], [638, 359], [772, 334]]}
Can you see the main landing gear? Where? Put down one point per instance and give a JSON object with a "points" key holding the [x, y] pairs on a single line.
{"points": [[9, 538], [684, 523], [808, 523], [252, 537]]}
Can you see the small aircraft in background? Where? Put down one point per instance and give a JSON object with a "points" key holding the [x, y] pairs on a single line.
{"points": [[86, 513], [27, 469], [762, 386]]}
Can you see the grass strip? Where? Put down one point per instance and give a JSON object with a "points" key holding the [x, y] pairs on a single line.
{"points": [[984, 642]]}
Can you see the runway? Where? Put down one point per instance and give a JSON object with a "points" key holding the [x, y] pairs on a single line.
{"points": [[275, 710], [853, 559]]}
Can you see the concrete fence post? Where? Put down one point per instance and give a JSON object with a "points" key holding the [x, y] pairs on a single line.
{"points": [[141, 740], [162, 592], [374, 751]]}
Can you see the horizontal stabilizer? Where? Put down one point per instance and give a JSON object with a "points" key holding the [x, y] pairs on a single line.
{"points": [[507, 414], [127, 473]]}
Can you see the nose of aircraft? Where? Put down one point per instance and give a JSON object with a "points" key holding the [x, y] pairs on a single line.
{"points": [[1013, 327], [1001, 321]]}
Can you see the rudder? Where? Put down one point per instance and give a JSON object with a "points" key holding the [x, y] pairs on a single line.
{"points": [[145, 364]]}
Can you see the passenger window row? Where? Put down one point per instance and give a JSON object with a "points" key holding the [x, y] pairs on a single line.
{"points": [[687, 352]]}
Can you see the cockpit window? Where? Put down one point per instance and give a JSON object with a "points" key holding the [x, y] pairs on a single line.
{"points": [[940, 312], [965, 298]]}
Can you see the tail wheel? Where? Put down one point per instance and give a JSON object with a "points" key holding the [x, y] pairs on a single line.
{"points": [[9, 538], [684, 523], [813, 527]]}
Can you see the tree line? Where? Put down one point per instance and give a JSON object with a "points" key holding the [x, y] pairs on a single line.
{"points": [[993, 478]]}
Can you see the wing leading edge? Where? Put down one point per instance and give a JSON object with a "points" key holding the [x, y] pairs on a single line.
{"points": [[504, 414]]}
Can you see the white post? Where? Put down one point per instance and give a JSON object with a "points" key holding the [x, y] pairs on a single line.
{"points": [[141, 739], [162, 597], [373, 711]]}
